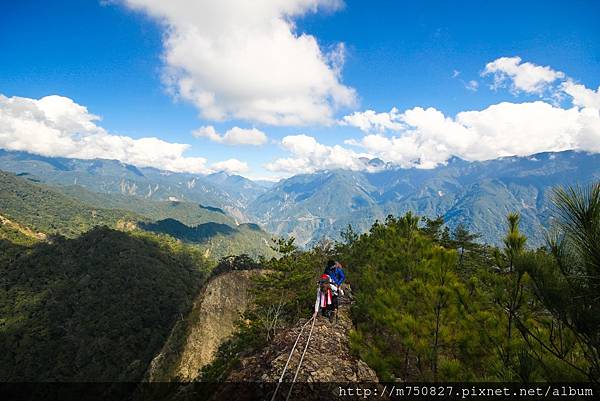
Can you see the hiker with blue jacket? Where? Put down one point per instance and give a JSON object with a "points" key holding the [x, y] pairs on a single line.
{"points": [[335, 271]]}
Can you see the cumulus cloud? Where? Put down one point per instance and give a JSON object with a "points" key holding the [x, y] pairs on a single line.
{"points": [[308, 155], [246, 60], [503, 129], [231, 166], [57, 126], [426, 138], [521, 77], [233, 136], [582, 96], [371, 121]]}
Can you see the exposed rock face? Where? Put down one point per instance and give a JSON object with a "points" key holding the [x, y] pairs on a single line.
{"points": [[327, 359], [126, 225], [195, 340]]}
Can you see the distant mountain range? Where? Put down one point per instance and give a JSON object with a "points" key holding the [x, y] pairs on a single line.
{"points": [[477, 194], [232, 193], [312, 206]]}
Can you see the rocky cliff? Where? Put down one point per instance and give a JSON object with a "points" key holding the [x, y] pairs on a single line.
{"points": [[212, 320]]}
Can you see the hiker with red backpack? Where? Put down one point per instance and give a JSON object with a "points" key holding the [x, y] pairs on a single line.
{"points": [[327, 298]]}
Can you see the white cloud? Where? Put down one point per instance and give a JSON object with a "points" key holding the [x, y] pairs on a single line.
{"points": [[525, 77], [57, 126], [472, 85], [246, 60], [504, 129], [582, 96], [308, 156], [233, 136], [426, 137], [207, 132], [232, 166], [371, 121]]}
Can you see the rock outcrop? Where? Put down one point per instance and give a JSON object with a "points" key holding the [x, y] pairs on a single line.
{"points": [[328, 364], [195, 340], [327, 359]]}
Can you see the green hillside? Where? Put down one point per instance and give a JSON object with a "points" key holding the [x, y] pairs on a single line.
{"points": [[70, 211], [215, 232], [216, 239], [45, 210], [94, 308], [93, 303], [186, 212]]}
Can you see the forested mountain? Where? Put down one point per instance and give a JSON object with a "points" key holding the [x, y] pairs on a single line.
{"points": [[94, 308], [179, 219], [43, 209], [34, 209], [476, 194], [186, 212], [80, 301]]}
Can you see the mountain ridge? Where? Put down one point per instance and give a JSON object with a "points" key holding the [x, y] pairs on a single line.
{"points": [[477, 194], [321, 204]]}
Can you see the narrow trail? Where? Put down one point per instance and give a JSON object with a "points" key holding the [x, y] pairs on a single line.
{"points": [[290, 357], [304, 362], [327, 358]]}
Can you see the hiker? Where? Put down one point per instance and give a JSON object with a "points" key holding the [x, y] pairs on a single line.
{"points": [[338, 276], [329, 269], [327, 297], [335, 271]]}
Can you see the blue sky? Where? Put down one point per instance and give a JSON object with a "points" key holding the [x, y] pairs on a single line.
{"points": [[112, 58]]}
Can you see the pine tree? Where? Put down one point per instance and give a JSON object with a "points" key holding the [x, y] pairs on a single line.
{"points": [[568, 281], [464, 241]]}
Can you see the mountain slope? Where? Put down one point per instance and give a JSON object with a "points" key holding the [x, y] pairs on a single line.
{"points": [[45, 210], [312, 206], [94, 308], [186, 212], [217, 239]]}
